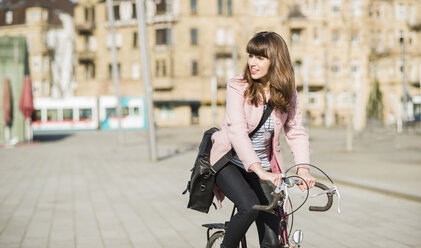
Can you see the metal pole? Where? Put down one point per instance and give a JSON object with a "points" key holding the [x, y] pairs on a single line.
{"points": [[214, 92], [115, 72], [326, 89], [305, 90], [146, 74], [405, 93], [234, 59]]}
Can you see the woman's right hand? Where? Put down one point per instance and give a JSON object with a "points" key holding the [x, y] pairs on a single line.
{"points": [[276, 179]]}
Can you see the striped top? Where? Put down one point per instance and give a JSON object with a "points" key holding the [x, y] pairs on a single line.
{"points": [[261, 143]]}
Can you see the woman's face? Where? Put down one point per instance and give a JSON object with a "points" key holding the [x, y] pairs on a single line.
{"points": [[258, 66]]}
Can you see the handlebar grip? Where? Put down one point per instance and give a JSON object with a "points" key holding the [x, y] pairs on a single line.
{"points": [[271, 206], [329, 200]]}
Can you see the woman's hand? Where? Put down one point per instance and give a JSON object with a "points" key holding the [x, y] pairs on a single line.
{"points": [[309, 179], [276, 179]]}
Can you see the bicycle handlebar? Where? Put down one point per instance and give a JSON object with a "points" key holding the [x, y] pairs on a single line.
{"points": [[277, 199], [329, 199], [269, 208]]}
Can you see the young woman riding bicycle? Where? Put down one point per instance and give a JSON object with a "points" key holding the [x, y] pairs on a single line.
{"points": [[268, 79]]}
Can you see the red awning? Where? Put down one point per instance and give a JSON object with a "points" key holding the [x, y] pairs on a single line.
{"points": [[26, 104]]}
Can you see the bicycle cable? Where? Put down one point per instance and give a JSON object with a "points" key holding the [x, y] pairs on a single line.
{"points": [[306, 198], [311, 166]]}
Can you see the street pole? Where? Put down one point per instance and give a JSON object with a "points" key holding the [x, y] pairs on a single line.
{"points": [[214, 89], [146, 74], [326, 88], [405, 94], [305, 92], [115, 73]]}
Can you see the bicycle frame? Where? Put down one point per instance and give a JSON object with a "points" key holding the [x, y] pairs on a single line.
{"points": [[283, 230]]}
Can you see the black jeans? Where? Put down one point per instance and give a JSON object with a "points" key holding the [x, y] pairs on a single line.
{"points": [[246, 190]]}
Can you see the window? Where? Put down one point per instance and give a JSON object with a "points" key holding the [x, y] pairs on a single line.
{"points": [[336, 37], [85, 114], [166, 112], [163, 36], [110, 71], [118, 40], [411, 14], [355, 68], [160, 68], [229, 7], [67, 114], [36, 63], [193, 36], [316, 36], [355, 38], [161, 7], [317, 68], [220, 7], [45, 63], [86, 14], [193, 6], [110, 112], [336, 68], [356, 7], [400, 11], [194, 68], [135, 42], [295, 36], [52, 115], [135, 71], [134, 16], [37, 115], [297, 67], [335, 7], [9, 17], [116, 12]]}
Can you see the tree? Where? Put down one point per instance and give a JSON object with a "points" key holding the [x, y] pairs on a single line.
{"points": [[375, 103]]}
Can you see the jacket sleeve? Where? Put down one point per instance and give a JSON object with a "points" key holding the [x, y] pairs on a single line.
{"points": [[296, 135], [237, 124]]}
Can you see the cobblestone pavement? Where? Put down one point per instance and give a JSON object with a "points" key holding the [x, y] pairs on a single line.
{"points": [[86, 190]]}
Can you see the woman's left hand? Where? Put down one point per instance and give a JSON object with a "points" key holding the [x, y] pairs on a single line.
{"points": [[309, 179]]}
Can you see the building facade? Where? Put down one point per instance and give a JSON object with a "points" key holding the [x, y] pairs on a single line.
{"points": [[35, 20], [339, 48]]}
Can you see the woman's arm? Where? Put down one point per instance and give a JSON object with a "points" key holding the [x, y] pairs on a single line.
{"points": [[237, 124], [298, 142]]}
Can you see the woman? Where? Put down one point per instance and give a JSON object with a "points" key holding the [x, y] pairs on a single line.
{"points": [[268, 79]]}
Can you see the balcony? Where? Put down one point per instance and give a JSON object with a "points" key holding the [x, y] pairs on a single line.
{"points": [[163, 84], [86, 56], [85, 27]]}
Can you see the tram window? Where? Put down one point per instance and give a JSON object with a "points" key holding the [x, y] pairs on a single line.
{"points": [[52, 114], [125, 111], [85, 114], [37, 115], [67, 114], [136, 111], [110, 112]]}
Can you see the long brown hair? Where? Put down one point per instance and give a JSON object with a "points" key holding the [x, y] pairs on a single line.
{"points": [[280, 73]]}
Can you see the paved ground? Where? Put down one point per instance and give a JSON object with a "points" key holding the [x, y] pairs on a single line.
{"points": [[86, 190]]}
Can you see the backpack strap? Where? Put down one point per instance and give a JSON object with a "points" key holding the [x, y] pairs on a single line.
{"points": [[231, 153]]}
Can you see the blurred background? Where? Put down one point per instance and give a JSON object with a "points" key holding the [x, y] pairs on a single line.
{"points": [[356, 62], [96, 65]]}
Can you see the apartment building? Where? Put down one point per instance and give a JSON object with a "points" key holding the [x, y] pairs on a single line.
{"points": [[339, 48], [34, 20]]}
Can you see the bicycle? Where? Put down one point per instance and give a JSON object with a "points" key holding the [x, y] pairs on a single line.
{"points": [[278, 206]]}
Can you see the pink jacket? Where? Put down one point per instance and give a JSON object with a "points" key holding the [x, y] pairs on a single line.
{"points": [[241, 119]]}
